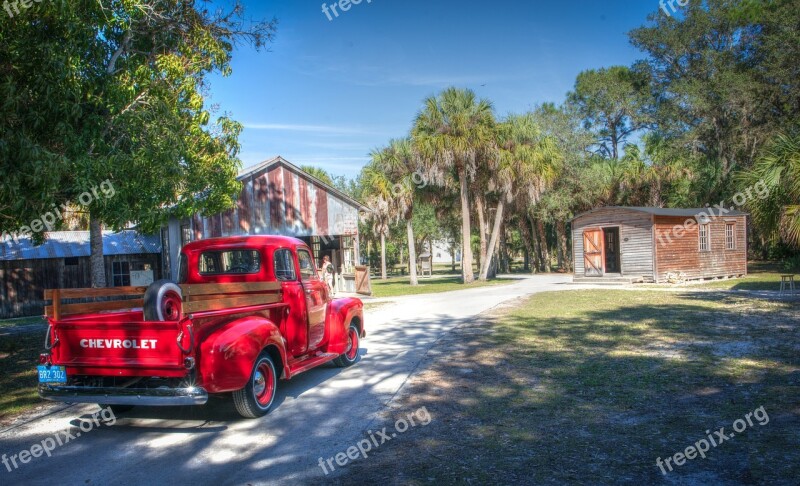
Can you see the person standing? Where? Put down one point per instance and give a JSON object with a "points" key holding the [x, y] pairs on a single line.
{"points": [[327, 272]]}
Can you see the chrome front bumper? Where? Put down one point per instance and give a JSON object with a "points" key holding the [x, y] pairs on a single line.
{"points": [[154, 397]]}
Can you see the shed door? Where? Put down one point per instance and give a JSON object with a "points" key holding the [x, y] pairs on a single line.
{"points": [[593, 252]]}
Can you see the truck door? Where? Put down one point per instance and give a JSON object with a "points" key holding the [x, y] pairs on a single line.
{"points": [[296, 329], [316, 293]]}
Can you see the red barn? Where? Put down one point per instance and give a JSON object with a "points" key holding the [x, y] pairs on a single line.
{"points": [[278, 198]]}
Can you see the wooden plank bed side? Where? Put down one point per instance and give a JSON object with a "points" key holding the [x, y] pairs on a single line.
{"points": [[94, 293], [231, 302], [68, 309], [191, 290]]}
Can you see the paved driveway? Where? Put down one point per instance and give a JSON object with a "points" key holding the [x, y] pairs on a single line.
{"points": [[317, 414]]}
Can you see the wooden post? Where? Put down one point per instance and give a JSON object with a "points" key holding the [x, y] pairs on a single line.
{"points": [[56, 304]]}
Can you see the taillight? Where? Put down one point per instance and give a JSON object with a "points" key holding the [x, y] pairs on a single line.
{"points": [[45, 359]]}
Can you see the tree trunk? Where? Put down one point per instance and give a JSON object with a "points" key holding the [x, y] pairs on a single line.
{"points": [[537, 249], [493, 241], [97, 263], [383, 256], [561, 230], [542, 234], [480, 204], [527, 240], [466, 245], [505, 260], [412, 253]]}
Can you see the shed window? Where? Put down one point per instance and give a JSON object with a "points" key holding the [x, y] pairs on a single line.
{"points": [[121, 274], [730, 238], [71, 262], [705, 237]]}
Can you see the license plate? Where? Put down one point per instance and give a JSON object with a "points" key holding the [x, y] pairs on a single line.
{"points": [[52, 374]]}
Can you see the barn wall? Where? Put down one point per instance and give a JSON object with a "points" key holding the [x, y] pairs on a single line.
{"points": [[636, 254], [280, 201], [682, 254], [23, 282]]}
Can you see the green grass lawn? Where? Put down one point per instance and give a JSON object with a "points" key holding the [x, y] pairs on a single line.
{"points": [[592, 386], [761, 276], [397, 286], [22, 321], [19, 355]]}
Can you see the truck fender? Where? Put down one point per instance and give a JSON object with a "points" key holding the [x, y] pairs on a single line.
{"points": [[227, 355], [341, 313]]}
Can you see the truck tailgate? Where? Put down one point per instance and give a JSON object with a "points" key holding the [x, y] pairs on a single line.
{"points": [[99, 347]]}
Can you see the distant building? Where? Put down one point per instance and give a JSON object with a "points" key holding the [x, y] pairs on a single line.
{"points": [[648, 244], [278, 198], [441, 252], [62, 262]]}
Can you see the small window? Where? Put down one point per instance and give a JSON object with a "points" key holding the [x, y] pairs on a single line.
{"points": [[306, 264], [233, 262], [284, 266], [71, 262], [705, 237], [121, 274], [186, 234], [730, 236]]}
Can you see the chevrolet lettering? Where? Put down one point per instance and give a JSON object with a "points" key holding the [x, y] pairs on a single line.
{"points": [[119, 343]]}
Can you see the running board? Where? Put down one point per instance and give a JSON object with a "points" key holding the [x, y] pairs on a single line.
{"points": [[305, 364]]}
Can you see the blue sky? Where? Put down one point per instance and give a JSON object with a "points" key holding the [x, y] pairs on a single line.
{"points": [[329, 91]]}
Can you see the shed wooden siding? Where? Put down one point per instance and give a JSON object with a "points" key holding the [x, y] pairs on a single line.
{"points": [[23, 282], [635, 234], [281, 201], [682, 254]]}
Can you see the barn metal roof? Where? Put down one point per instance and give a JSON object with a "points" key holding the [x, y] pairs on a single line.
{"points": [[677, 212], [67, 244], [260, 167]]}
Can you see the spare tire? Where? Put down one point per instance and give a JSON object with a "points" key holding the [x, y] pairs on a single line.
{"points": [[163, 301]]}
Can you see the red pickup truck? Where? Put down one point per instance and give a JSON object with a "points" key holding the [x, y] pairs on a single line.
{"points": [[244, 313]]}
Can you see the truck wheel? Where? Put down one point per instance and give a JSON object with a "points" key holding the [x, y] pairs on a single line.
{"points": [[350, 356], [163, 301], [255, 399]]}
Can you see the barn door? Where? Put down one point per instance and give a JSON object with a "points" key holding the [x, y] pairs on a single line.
{"points": [[593, 252]]}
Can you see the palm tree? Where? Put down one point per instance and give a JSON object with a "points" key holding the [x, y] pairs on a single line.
{"points": [[453, 131], [525, 169], [397, 165], [378, 187], [379, 220], [774, 183]]}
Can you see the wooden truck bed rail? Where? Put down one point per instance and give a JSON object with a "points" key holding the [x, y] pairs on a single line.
{"points": [[196, 298]]}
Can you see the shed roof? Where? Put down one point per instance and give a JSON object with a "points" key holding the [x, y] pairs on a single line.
{"points": [[676, 212], [67, 244]]}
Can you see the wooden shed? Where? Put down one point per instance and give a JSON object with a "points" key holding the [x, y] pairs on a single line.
{"points": [[62, 262], [641, 244]]}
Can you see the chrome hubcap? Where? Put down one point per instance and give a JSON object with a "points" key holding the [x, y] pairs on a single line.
{"points": [[259, 383]]}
